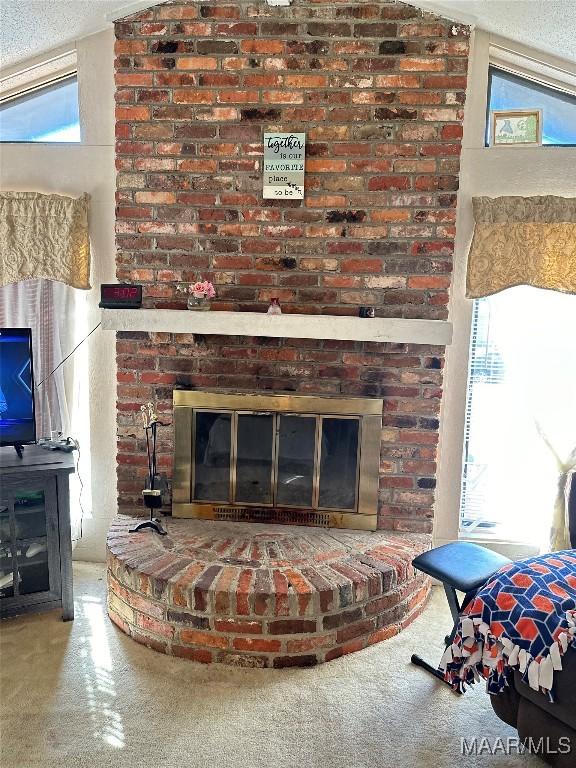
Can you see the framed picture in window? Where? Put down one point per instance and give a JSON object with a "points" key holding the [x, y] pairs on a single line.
{"points": [[520, 127]]}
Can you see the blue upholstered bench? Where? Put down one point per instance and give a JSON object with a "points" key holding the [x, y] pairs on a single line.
{"points": [[461, 567]]}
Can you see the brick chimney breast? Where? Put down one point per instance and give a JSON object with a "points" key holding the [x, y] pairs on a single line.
{"points": [[379, 91]]}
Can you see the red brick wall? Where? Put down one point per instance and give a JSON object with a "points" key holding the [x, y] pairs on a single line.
{"points": [[379, 90]]}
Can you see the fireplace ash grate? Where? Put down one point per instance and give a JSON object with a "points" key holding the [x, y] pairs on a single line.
{"points": [[266, 515]]}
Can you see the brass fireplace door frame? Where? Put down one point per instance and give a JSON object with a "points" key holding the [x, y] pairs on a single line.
{"points": [[367, 411]]}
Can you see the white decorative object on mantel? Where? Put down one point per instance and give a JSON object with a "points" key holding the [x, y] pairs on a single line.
{"points": [[379, 329]]}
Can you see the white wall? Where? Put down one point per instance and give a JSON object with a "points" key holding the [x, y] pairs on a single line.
{"points": [[489, 171], [72, 169]]}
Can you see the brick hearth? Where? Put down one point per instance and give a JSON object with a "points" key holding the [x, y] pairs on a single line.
{"points": [[262, 595]]}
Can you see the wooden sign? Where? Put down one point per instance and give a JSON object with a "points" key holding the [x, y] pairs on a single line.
{"points": [[284, 165]]}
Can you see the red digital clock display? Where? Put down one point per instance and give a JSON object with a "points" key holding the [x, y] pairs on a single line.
{"points": [[121, 292], [119, 295]]}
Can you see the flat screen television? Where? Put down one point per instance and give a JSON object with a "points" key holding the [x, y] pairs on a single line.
{"points": [[17, 411]]}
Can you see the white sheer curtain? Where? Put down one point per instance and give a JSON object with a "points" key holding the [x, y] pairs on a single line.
{"points": [[521, 415], [542, 368], [56, 314]]}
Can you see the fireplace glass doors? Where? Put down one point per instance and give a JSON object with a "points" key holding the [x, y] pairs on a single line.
{"points": [[287, 458], [296, 456]]}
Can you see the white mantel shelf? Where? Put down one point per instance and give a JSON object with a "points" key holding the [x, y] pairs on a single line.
{"points": [[380, 329]]}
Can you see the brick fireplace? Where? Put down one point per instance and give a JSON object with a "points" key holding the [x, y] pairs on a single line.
{"points": [[378, 88]]}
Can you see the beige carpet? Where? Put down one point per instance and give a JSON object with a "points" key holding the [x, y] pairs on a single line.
{"points": [[83, 694]]}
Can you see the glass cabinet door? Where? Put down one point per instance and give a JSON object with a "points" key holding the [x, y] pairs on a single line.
{"points": [[31, 542], [29, 550], [6, 553]]}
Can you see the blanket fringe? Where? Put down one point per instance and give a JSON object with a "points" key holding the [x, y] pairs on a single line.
{"points": [[480, 654]]}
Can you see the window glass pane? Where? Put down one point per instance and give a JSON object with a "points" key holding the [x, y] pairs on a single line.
{"points": [[520, 412], [48, 114], [338, 463], [212, 456], [254, 458], [296, 446], [511, 92]]}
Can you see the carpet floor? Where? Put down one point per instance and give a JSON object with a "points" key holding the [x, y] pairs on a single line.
{"points": [[83, 695]]}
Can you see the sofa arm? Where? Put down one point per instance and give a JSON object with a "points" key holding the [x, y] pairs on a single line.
{"points": [[506, 705], [549, 738]]}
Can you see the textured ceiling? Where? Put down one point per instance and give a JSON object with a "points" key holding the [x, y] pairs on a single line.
{"points": [[31, 27], [547, 25]]}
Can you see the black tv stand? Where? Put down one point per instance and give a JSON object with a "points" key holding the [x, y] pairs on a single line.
{"points": [[19, 450]]}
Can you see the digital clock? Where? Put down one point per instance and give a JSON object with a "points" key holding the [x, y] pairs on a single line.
{"points": [[120, 296]]}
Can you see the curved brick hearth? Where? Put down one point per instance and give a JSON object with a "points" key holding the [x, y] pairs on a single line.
{"points": [[261, 595]]}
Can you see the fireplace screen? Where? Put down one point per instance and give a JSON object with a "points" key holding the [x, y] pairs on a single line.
{"points": [[277, 458]]}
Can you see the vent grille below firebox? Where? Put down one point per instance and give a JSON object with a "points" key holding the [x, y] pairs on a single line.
{"points": [[267, 515]]}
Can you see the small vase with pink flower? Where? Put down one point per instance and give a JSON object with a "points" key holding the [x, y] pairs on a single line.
{"points": [[199, 295]]}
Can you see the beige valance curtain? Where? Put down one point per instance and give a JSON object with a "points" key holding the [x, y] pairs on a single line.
{"points": [[44, 236], [522, 241]]}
